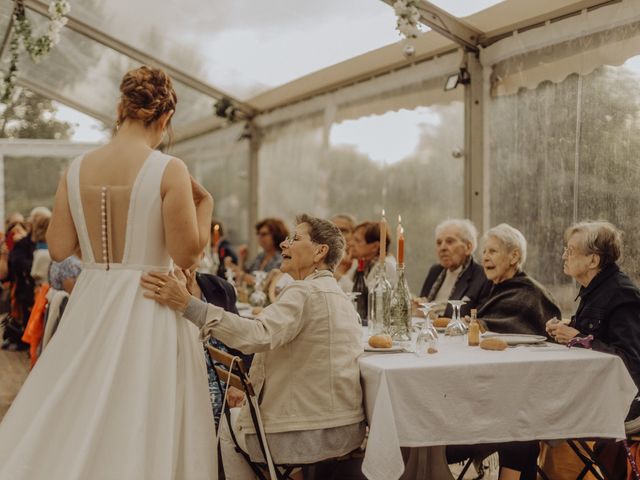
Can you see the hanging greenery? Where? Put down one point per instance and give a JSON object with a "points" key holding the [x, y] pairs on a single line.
{"points": [[37, 47]]}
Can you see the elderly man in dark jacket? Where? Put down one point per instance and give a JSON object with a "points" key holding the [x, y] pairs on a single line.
{"points": [[457, 276]]}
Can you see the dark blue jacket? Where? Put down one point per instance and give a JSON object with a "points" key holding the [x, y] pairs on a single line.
{"points": [[609, 310]]}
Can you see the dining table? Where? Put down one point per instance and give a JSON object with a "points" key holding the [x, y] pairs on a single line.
{"points": [[465, 395]]}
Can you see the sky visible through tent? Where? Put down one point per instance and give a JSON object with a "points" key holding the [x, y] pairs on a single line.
{"points": [[247, 47]]}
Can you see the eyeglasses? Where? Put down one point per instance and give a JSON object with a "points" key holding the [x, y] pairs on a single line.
{"points": [[292, 238], [571, 252], [263, 233]]}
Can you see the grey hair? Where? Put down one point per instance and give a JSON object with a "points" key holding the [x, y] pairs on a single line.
{"points": [[599, 237], [40, 212], [326, 233], [512, 238], [350, 219], [467, 229]]}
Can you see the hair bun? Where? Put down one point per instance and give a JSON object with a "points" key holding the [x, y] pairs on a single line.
{"points": [[146, 94]]}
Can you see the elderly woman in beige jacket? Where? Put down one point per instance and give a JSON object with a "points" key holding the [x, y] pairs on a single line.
{"points": [[307, 344]]}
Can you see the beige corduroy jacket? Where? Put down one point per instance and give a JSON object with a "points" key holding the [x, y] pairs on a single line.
{"points": [[305, 371]]}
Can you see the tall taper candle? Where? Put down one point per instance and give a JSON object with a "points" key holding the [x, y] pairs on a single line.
{"points": [[400, 242], [383, 237]]}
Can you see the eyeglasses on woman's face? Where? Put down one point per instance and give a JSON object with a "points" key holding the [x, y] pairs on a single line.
{"points": [[292, 238]]}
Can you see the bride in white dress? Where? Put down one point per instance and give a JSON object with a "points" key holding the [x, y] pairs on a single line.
{"points": [[120, 392]]}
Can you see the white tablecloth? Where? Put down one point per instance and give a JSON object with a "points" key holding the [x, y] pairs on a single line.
{"points": [[465, 395]]}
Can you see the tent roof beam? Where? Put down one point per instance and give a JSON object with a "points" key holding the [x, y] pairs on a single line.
{"points": [[107, 40]]}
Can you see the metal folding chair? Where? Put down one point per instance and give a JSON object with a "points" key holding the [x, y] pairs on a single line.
{"points": [[231, 370]]}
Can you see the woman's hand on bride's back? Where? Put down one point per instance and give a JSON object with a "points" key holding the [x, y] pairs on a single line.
{"points": [[169, 289]]}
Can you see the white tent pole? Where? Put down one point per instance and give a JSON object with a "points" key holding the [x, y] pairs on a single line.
{"points": [[255, 141], [474, 142]]}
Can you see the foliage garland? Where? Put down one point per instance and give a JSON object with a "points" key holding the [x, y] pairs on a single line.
{"points": [[37, 47]]}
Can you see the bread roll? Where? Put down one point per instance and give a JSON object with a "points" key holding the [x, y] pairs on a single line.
{"points": [[256, 310], [441, 322], [381, 341], [493, 344]]}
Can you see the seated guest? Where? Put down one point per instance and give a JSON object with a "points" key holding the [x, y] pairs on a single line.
{"points": [[516, 302], [456, 275], [307, 346], [609, 308], [347, 266], [62, 278], [223, 248], [216, 291], [365, 245], [41, 257], [271, 233]]}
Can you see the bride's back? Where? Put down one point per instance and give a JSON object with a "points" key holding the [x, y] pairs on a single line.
{"points": [[125, 202], [106, 182]]}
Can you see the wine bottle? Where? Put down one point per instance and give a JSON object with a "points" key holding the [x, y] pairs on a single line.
{"points": [[400, 307], [360, 286], [379, 303]]}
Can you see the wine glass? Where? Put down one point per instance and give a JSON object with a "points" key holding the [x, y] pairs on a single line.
{"points": [[427, 340], [353, 296], [258, 298], [456, 327]]}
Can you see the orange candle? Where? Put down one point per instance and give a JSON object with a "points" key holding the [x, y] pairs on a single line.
{"points": [[216, 235], [383, 237], [400, 237]]}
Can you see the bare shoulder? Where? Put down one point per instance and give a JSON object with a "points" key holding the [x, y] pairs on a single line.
{"points": [[176, 173]]}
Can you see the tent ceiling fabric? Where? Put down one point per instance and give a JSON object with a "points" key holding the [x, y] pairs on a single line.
{"points": [[269, 54]]}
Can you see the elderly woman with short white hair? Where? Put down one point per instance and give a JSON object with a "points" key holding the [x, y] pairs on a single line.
{"points": [[516, 303], [307, 345]]}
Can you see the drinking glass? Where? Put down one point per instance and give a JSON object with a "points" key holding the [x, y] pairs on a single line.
{"points": [[427, 340], [353, 296], [456, 327], [258, 298]]}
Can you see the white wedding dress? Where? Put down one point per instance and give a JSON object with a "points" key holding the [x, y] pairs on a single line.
{"points": [[121, 391]]}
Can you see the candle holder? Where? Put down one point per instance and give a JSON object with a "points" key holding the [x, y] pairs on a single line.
{"points": [[400, 309]]}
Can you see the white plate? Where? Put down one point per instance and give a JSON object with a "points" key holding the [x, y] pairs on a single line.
{"points": [[394, 349], [516, 338], [242, 306]]}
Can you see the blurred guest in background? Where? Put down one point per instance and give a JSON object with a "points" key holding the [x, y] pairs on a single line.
{"points": [[457, 275], [19, 264], [365, 245], [271, 233], [41, 257], [346, 268], [222, 246]]}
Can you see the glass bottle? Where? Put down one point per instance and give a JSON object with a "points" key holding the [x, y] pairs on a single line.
{"points": [[360, 286], [379, 303], [400, 306], [474, 329]]}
